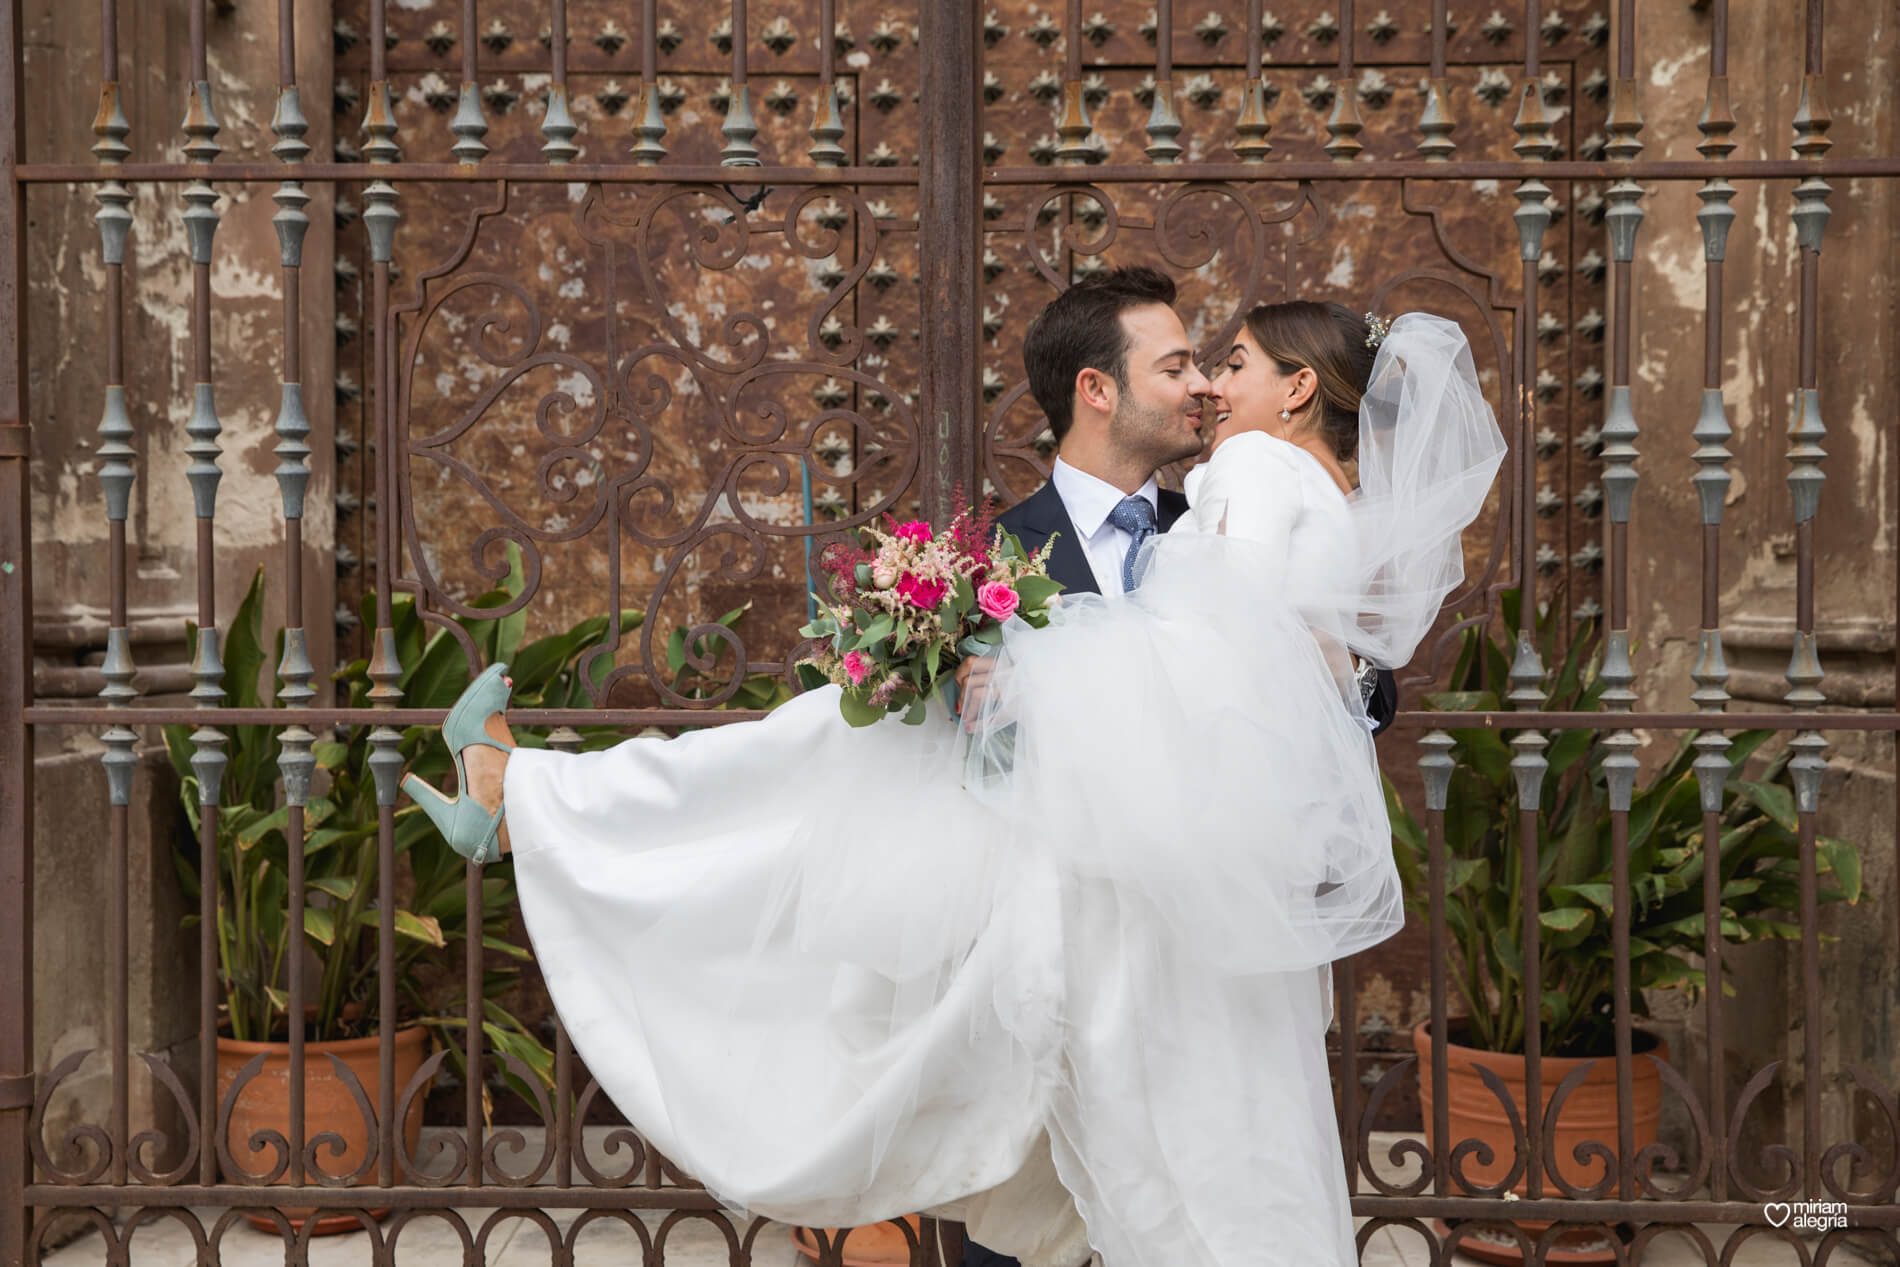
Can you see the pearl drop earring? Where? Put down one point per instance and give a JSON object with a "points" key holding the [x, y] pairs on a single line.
{"points": [[1286, 415]]}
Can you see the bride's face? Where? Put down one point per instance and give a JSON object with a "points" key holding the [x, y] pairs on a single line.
{"points": [[1250, 391]]}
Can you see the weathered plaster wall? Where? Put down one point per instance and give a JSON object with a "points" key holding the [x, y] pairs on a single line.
{"points": [[66, 343], [1859, 1005]]}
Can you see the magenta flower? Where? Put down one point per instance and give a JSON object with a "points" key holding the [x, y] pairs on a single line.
{"points": [[921, 593], [997, 600], [916, 532], [857, 667]]}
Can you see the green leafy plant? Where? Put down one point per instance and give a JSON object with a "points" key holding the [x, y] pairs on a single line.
{"points": [[340, 916], [1758, 848]]}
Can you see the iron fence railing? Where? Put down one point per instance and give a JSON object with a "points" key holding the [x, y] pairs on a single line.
{"points": [[960, 431]]}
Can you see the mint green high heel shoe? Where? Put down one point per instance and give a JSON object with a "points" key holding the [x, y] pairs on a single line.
{"points": [[470, 830]]}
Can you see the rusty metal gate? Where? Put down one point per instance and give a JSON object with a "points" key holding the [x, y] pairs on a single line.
{"points": [[642, 346]]}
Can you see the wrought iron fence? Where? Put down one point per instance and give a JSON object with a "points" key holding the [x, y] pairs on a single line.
{"points": [[814, 409]]}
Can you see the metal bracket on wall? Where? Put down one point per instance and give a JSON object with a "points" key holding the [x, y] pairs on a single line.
{"points": [[16, 1090]]}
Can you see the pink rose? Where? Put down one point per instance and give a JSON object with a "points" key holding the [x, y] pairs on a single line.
{"points": [[857, 667], [921, 593], [998, 601], [916, 531]]}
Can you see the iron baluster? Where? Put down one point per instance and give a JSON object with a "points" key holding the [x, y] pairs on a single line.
{"points": [[1164, 125], [1808, 764], [649, 127], [1620, 766], [1528, 762], [739, 128], [1712, 479], [208, 760]]}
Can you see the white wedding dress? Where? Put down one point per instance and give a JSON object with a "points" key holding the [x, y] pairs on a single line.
{"points": [[1064, 979]]}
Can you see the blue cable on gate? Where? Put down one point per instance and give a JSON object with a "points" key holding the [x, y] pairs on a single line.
{"points": [[811, 598]]}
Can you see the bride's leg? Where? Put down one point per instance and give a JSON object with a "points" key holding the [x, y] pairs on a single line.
{"points": [[486, 766], [648, 792]]}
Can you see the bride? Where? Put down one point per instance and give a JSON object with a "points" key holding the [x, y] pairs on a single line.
{"points": [[1060, 970]]}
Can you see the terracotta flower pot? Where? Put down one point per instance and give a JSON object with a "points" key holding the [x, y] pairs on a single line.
{"points": [[1589, 1113], [874, 1245], [264, 1105]]}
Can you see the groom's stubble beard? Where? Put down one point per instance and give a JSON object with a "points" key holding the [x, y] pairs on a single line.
{"points": [[1151, 435]]}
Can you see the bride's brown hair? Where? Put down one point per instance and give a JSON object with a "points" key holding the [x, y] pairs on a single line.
{"points": [[1330, 340]]}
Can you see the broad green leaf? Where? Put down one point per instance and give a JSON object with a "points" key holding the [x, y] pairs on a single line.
{"points": [[510, 628], [676, 651], [1566, 919], [962, 598], [244, 648], [255, 829], [1463, 871], [856, 710], [1602, 896], [1404, 827], [1577, 856], [1843, 860], [535, 664], [506, 947], [317, 841], [340, 887], [1569, 747], [877, 631], [1773, 800], [1036, 591], [420, 928], [319, 922]]}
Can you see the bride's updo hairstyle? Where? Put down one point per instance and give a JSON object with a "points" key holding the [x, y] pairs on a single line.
{"points": [[1330, 340]]}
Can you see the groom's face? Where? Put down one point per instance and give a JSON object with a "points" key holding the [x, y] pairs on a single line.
{"points": [[1158, 419]]}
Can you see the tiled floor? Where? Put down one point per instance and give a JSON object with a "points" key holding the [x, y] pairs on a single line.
{"points": [[523, 1241]]}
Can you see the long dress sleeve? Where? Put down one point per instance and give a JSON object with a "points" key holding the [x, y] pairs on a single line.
{"points": [[1249, 489]]}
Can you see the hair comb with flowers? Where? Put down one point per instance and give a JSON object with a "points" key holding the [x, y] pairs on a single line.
{"points": [[1376, 328]]}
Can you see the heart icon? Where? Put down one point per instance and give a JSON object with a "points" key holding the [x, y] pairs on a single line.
{"points": [[1777, 1212]]}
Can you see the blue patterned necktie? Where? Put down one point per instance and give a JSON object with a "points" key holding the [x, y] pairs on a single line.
{"points": [[1136, 517]]}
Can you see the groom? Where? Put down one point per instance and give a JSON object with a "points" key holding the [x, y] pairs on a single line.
{"points": [[1111, 365]]}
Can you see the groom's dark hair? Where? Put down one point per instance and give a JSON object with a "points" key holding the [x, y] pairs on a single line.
{"points": [[1082, 330]]}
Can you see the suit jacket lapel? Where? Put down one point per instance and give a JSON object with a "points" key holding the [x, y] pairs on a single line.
{"points": [[1169, 506], [1043, 515]]}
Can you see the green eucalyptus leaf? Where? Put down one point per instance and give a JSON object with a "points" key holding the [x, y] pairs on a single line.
{"points": [[857, 711], [1036, 591]]}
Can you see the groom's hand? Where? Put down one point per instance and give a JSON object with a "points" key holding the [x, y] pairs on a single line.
{"points": [[973, 682]]}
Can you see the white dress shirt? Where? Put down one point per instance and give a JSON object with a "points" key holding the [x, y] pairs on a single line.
{"points": [[1089, 501]]}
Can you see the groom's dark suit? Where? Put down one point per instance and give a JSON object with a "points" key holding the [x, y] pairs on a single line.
{"points": [[1033, 521]]}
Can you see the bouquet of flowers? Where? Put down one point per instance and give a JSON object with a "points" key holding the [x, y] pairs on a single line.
{"points": [[910, 602]]}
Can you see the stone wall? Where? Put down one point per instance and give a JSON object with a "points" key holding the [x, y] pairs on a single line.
{"points": [[1859, 1007], [65, 348]]}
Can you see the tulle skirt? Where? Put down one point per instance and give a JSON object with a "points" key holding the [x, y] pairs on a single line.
{"points": [[1065, 978]]}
